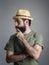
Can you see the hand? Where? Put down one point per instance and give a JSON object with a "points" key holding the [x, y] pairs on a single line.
{"points": [[25, 56], [20, 35]]}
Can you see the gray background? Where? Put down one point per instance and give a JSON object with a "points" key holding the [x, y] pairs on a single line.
{"points": [[40, 12]]}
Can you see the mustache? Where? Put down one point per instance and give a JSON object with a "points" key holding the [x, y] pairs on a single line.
{"points": [[17, 27], [22, 28]]}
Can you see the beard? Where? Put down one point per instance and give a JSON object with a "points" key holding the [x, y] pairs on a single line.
{"points": [[22, 28]]}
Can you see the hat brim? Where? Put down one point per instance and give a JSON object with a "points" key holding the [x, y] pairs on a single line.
{"points": [[30, 18]]}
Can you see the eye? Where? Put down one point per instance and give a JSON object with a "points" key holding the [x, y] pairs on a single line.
{"points": [[23, 19], [18, 21]]}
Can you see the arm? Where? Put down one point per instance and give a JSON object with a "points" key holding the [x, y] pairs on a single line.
{"points": [[10, 57], [32, 51]]}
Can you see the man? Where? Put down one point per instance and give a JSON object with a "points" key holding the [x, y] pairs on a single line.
{"points": [[25, 46]]}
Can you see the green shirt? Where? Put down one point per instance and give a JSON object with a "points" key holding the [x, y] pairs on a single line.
{"points": [[15, 45]]}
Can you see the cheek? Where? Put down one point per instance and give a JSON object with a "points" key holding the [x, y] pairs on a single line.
{"points": [[16, 24], [24, 23]]}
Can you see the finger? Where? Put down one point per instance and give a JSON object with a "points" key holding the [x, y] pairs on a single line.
{"points": [[18, 30]]}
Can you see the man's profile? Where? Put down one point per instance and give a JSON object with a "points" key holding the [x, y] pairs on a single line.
{"points": [[25, 46]]}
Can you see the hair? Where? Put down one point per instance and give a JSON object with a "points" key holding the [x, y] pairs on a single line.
{"points": [[28, 20]]}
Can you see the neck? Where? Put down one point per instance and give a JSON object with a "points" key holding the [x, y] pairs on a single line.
{"points": [[28, 30]]}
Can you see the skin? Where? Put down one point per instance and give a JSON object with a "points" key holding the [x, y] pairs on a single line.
{"points": [[33, 52]]}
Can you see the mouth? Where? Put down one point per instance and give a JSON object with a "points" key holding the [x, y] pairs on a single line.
{"points": [[22, 28]]}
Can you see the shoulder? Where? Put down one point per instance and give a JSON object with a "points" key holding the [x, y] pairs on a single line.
{"points": [[37, 35]]}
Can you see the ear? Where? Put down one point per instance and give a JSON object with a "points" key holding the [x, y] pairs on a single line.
{"points": [[26, 22]]}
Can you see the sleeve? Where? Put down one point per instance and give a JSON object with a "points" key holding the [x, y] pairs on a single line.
{"points": [[39, 40], [9, 45]]}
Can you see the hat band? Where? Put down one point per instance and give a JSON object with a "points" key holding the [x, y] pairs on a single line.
{"points": [[23, 16]]}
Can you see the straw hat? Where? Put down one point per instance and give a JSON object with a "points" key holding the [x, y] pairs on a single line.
{"points": [[21, 13]]}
